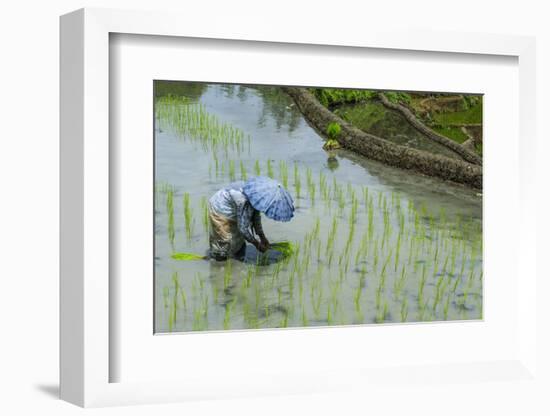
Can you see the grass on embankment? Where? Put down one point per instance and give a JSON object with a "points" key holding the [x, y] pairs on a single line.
{"points": [[472, 115]]}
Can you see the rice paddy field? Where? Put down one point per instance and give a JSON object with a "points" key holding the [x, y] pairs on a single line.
{"points": [[369, 244]]}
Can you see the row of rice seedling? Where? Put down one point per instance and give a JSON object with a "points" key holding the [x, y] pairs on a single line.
{"points": [[192, 121]]}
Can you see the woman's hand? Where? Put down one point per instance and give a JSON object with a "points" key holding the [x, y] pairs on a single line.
{"points": [[262, 246], [264, 241]]}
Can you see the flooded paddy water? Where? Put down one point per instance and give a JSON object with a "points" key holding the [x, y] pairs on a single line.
{"points": [[373, 244]]}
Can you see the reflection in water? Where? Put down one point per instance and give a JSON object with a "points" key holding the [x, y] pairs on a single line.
{"points": [[191, 90], [276, 105], [332, 161]]}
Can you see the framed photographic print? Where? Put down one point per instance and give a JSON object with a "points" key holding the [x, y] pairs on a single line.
{"points": [[271, 214], [351, 240]]}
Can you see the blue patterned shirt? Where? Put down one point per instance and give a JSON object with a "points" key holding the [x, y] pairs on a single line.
{"points": [[232, 203]]}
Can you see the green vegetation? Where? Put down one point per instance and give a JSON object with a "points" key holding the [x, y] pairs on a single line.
{"points": [[170, 209], [191, 121], [187, 256], [188, 215], [286, 248], [454, 133], [471, 115], [331, 97], [398, 97], [333, 132], [283, 173]]}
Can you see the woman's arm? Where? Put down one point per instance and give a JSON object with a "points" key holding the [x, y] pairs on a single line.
{"points": [[258, 229], [244, 221], [245, 217]]}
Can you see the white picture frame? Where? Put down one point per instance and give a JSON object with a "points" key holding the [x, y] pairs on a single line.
{"points": [[85, 212]]}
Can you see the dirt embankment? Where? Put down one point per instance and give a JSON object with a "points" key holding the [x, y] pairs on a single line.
{"points": [[382, 150]]}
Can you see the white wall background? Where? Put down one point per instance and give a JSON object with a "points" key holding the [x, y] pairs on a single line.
{"points": [[29, 82]]}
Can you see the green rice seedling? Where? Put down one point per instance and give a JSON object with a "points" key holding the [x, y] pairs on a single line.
{"points": [[362, 276], [404, 309], [383, 271], [291, 278], [257, 169], [309, 179], [205, 214], [316, 229], [232, 174], [183, 298], [354, 204], [172, 317], [244, 173], [316, 298], [365, 191], [165, 295], [370, 215], [401, 220], [329, 315], [297, 182], [305, 321], [228, 274], [164, 188], [439, 288], [411, 251], [312, 194], [397, 250], [188, 214], [270, 172], [170, 210], [227, 314], [276, 271], [351, 235], [284, 321], [324, 190], [204, 306], [363, 248], [382, 313], [375, 253], [249, 276], [446, 307], [357, 298], [399, 283], [457, 281], [331, 236], [286, 248], [335, 288], [283, 173], [318, 250], [421, 312], [333, 131], [421, 286], [341, 199], [187, 256]]}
